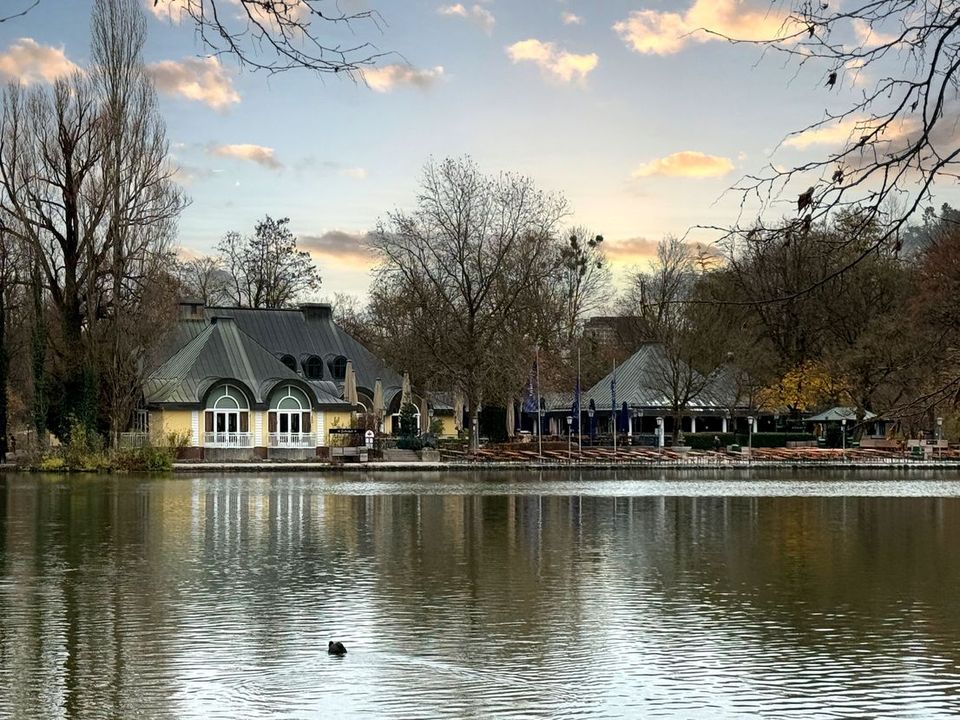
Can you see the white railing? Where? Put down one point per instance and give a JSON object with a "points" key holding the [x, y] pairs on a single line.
{"points": [[134, 439], [228, 439], [292, 440]]}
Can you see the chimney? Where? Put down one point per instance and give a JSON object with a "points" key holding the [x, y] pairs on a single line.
{"points": [[317, 311], [191, 309]]}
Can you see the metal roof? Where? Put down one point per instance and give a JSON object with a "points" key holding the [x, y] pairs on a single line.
{"points": [[301, 334], [220, 350], [640, 384], [836, 414]]}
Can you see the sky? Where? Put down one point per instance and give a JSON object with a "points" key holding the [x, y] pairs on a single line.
{"points": [[640, 120]]}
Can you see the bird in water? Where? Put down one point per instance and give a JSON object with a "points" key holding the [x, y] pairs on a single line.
{"points": [[335, 647]]}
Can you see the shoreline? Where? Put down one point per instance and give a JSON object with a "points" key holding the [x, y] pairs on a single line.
{"points": [[348, 468]]}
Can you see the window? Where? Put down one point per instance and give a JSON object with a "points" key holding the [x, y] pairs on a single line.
{"points": [[313, 368], [338, 367], [289, 361], [227, 418], [288, 421]]}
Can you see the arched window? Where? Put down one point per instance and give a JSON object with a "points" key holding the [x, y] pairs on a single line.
{"points": [[289, 418], [338, 367], [313, 368], [289, 361], [227, 418]]}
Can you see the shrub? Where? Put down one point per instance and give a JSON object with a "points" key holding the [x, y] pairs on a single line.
{"points": [[772, 440], [147, 458], [52, 463], [704, 440], [409, 442]]}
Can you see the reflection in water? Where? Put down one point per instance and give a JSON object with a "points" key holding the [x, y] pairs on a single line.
{"points": [[216, 597]]}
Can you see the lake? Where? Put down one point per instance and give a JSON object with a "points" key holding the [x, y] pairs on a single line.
{"points": [[470, 595]]}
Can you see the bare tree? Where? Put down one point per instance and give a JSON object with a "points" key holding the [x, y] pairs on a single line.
{"points": [[901, 132], [583, 280], [85, 184], [205, 278], [267, 269], [691, 339], [466, 257]]}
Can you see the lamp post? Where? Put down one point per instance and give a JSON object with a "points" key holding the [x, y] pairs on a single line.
{"points": [[569, 436], [843, 436], [939, 437], [429, 419], [750, 439], [660, 437], [590, 420]]}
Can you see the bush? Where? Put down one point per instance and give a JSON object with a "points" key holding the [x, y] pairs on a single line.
{"points": [[147, 458], [52, 463], [704, 440], [772, 440], [409, 442]]}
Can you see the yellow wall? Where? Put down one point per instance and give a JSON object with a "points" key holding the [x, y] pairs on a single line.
{"points": [[449, 425], [163, 422], [332, 419]]}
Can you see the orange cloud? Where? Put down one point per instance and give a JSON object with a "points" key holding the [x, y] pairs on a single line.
{"points": [[386, 78], [656, 32], [29, 62], [569, 18], [251, 153], [341, 247], [687, 163], [202, 79], [560, 64]]}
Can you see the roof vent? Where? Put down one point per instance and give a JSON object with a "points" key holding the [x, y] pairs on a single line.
{"points": [[317, 311]]}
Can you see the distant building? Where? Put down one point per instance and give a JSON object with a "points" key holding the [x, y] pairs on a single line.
{"points": [[719, 406]]}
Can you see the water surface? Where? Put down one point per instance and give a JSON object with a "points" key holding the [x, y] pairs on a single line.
{"points": [[633, 594]]}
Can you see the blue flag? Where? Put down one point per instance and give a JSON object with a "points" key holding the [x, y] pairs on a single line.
{"points": [[530, 395]]}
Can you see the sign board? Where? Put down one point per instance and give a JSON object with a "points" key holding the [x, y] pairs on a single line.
{"points": [[369, 438]]}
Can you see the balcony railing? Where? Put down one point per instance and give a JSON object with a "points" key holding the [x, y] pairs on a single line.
{"points": [[292, 440], [228, 439], [134, 439]]}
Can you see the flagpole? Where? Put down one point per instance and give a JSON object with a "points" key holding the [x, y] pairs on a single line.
{"points": [[579, 410], [539, 420], [613, 406]]}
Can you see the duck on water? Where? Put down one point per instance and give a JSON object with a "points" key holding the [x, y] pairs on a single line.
{"points": [[335, 647]]}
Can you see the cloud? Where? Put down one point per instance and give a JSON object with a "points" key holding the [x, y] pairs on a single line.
{"points": [[852, 129], [560, 64], [687, 163], [386, 78], [29, 62], [357, 173], [202, 79], [570, 18], [626, 250], [477, 14], [869, 36], [663, 33], [340, 246], [637, 249], [172, 10], [252, 153]]}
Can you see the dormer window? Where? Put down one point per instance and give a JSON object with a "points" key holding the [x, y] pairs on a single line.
{"points": [[338, 367], [313, 368], [289, 361]]}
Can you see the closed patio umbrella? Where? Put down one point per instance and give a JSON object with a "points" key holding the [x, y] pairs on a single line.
{"points": [[406, 397], [350, 385], [378, 406], [424, 417]]}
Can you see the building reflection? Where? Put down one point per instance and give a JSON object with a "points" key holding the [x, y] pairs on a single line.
{"points": [[117, 590]]}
